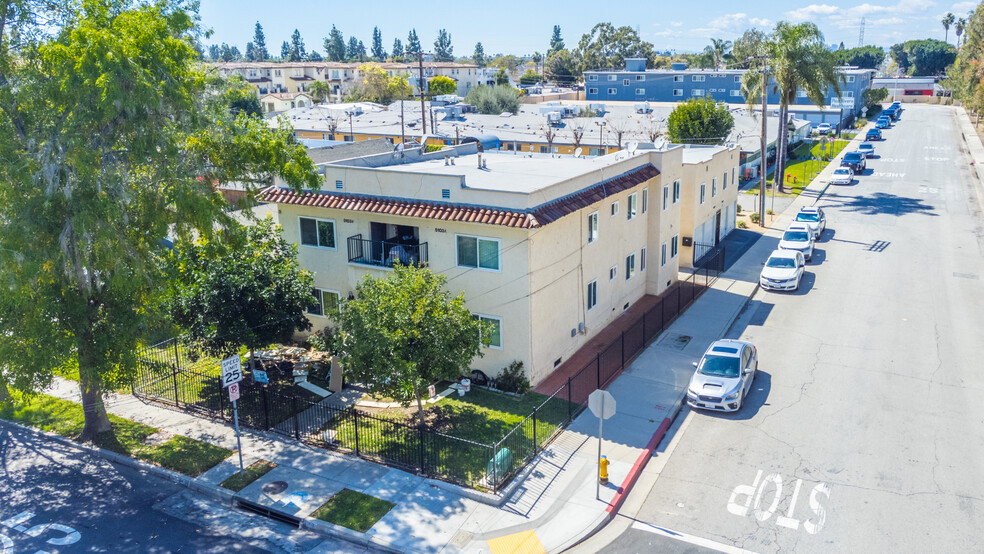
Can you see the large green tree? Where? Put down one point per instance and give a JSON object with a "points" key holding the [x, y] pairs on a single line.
{"points": [[929, 57], [494, 100], [556, 42], [413, 45], [864, 57], [699, 121], [479, 56], [798, 60], [607, 47], [967, 73], [377, 45], [112, 138], [335, 46], [441, 85], [397, 50], [947, 21], [405, 331], [242, 288], [297, 50], [260, 52], [561, 67], [443, 51]]}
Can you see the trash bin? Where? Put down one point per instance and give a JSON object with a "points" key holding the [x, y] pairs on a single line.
{"points": [[466, 385]]}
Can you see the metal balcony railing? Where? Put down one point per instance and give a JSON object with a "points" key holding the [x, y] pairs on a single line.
{"points": [[385, 253]]}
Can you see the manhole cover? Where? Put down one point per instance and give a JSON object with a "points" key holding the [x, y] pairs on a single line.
{"points": [[275, 487]]}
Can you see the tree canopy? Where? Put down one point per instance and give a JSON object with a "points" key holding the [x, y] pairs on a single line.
{"points": [[864, 57], [443, 51], [700, 121], [561, 67], [494, 100], [114, 139], [556, 42], [441, 85], [967, 74], [403, 332], [923, 57], [335, 46], [607, 47]]}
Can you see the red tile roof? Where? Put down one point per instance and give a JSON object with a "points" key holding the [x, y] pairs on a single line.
{"points": [[445, 211]]}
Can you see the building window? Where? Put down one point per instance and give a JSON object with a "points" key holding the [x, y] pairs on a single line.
{"points": [[847, 94], [632, 206], [737, 78], [319, 233], [849, 78], [697, 78], [703, 191], [613, 77], [325, 302], [800, 94], [640, 77], [612, 272], [666, 196], [735, 92], [630, 266], [733, 170], [592, 227], [714, 187], [478, 252], [674, 246], [724, 181], [678, 92], [612, 91], [592, 91], [678, 78], [615, 207], [642, 259], [645, 200], [676, 191], [592, 77], [697, 92], [625, 82], [640, 91], [662, 256], [592, 294], [494, 325]]}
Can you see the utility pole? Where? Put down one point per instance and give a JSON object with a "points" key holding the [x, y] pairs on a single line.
{"points": [[765, 142], [403, 133], [420, 85]]}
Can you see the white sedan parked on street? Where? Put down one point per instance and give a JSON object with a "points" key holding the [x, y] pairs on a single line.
{"points": [[799, 237], [842, 176], [724, 376], [783, 270]]}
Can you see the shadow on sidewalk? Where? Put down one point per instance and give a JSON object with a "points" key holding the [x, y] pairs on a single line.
{"points": [[546, 470]]}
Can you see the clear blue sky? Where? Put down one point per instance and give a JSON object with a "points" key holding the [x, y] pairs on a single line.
{"points": [[512, 27]]}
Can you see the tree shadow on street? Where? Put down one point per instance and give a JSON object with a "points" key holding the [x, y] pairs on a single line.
{"points": [[880, 203]]}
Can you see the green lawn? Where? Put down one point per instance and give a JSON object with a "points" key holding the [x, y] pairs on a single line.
{"points": [[256, 470], [805, 169], [354, 510], [181, 454]]}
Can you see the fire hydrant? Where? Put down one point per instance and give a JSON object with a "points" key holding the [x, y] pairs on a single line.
{"points": [[603, 470]]}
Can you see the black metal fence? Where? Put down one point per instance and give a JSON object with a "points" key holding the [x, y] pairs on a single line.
{"points": [[174, 375], [709, 257]]}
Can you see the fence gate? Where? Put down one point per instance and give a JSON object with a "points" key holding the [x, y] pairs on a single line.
{"points": [[709, 256]]}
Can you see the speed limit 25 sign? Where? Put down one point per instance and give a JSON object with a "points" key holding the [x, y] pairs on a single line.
{"points": [[232, 371]]}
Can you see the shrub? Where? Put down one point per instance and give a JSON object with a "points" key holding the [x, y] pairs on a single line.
{"points": [[861, 122], [323, 339], [742, 224], [768, 212], [739, 208], [494, 100], [513, 379], [754, 217]]}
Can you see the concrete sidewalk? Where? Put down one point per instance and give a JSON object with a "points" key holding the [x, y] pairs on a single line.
{"points": [[552, 505]]}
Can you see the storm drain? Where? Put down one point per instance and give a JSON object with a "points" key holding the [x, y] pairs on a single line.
{"points": [[268, 512]]}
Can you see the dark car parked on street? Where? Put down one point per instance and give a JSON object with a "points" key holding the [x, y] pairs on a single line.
{"points": [[855, 161], [873, 134]]}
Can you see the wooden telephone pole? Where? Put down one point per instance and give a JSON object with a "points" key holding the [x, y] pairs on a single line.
{"points": [[420, 85]]}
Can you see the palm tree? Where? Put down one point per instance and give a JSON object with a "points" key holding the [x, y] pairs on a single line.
{"points": [[948, 20], [798, 60], [320, 90], [961, 24], [720, 48]]}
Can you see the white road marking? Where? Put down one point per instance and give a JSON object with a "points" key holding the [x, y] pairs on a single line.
{"points": [[889, 175], [754, 493], [690, 539], [6, 545]]}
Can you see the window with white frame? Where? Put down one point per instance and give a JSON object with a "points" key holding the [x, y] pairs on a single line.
{"points": [[613, 91], [640, 77], [492, 327], [849, 78], [640, 91], [678, 78], [478, 252], [662, 255], [615, 207], [645, 200], [319, 233], [666, 196], [674, 246], [625, 82], [592, 90], [642, 259], [612, 272], [592, 77], [724, 181], [632, 206], [630, 266], [697, 78], [703, 191], [592, 295], [678, 92], [847, 94], [592, 227], [735, 92], [737, 78], [697, 92], [714, 187], [676, 191], [733, 170], [613, 77], [325, 301]]}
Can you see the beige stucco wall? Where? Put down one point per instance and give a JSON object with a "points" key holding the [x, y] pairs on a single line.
{"points": [[693, 213]]}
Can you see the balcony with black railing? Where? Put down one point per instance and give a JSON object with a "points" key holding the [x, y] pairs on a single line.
{"points": [[385, 253]]}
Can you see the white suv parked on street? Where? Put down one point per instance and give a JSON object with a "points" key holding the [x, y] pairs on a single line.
{"points": [[814, 218], [799, 237]]}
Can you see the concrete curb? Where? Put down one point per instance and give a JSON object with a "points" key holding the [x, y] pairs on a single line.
{"points": [[484, 497], [365, 540]]}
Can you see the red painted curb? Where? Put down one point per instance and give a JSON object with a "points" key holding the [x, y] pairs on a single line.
{"points": [[637, 467]]}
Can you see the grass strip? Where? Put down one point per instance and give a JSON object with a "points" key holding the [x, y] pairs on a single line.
{"points": [[256, 470], [353, 510], [187, 456]]}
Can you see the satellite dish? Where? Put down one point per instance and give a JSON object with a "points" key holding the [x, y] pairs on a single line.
{"points": [[400, 147], [577, 152], [631, 147], [531, 148]]}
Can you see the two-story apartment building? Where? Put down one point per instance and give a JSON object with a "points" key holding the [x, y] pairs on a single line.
{"points": [[638, 84], [547, 249], [709, 207]]}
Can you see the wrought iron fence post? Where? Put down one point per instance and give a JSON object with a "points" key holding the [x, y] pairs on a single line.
{"points": [[535, 443], [355, 417], [297, 427], [493, 477], [420, 439], [266, 409], [174, 376]]}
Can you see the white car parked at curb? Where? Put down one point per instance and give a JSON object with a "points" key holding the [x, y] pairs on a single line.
{"points": [[783, 270], [799, 237], [724, 376], [842, 176]]}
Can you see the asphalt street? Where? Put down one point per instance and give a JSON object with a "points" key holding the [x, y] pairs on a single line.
{"points": [[58, 498], [863, 431]]}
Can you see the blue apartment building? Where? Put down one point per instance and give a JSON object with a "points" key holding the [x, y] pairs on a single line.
{"points": [[636, 83]]}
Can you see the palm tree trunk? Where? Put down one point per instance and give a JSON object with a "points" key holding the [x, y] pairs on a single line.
{"points": [[780, 177]]}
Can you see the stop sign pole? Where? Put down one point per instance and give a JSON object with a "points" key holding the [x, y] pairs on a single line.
{"points": [[602, 405]]}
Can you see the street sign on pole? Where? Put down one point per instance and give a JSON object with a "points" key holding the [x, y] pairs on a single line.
{"points": [[232, 370], [260, 376], [602, 405], [232, 374]]}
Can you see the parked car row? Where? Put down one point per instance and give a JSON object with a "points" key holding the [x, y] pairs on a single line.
{"points": [[784, 268], [854, 163]]}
